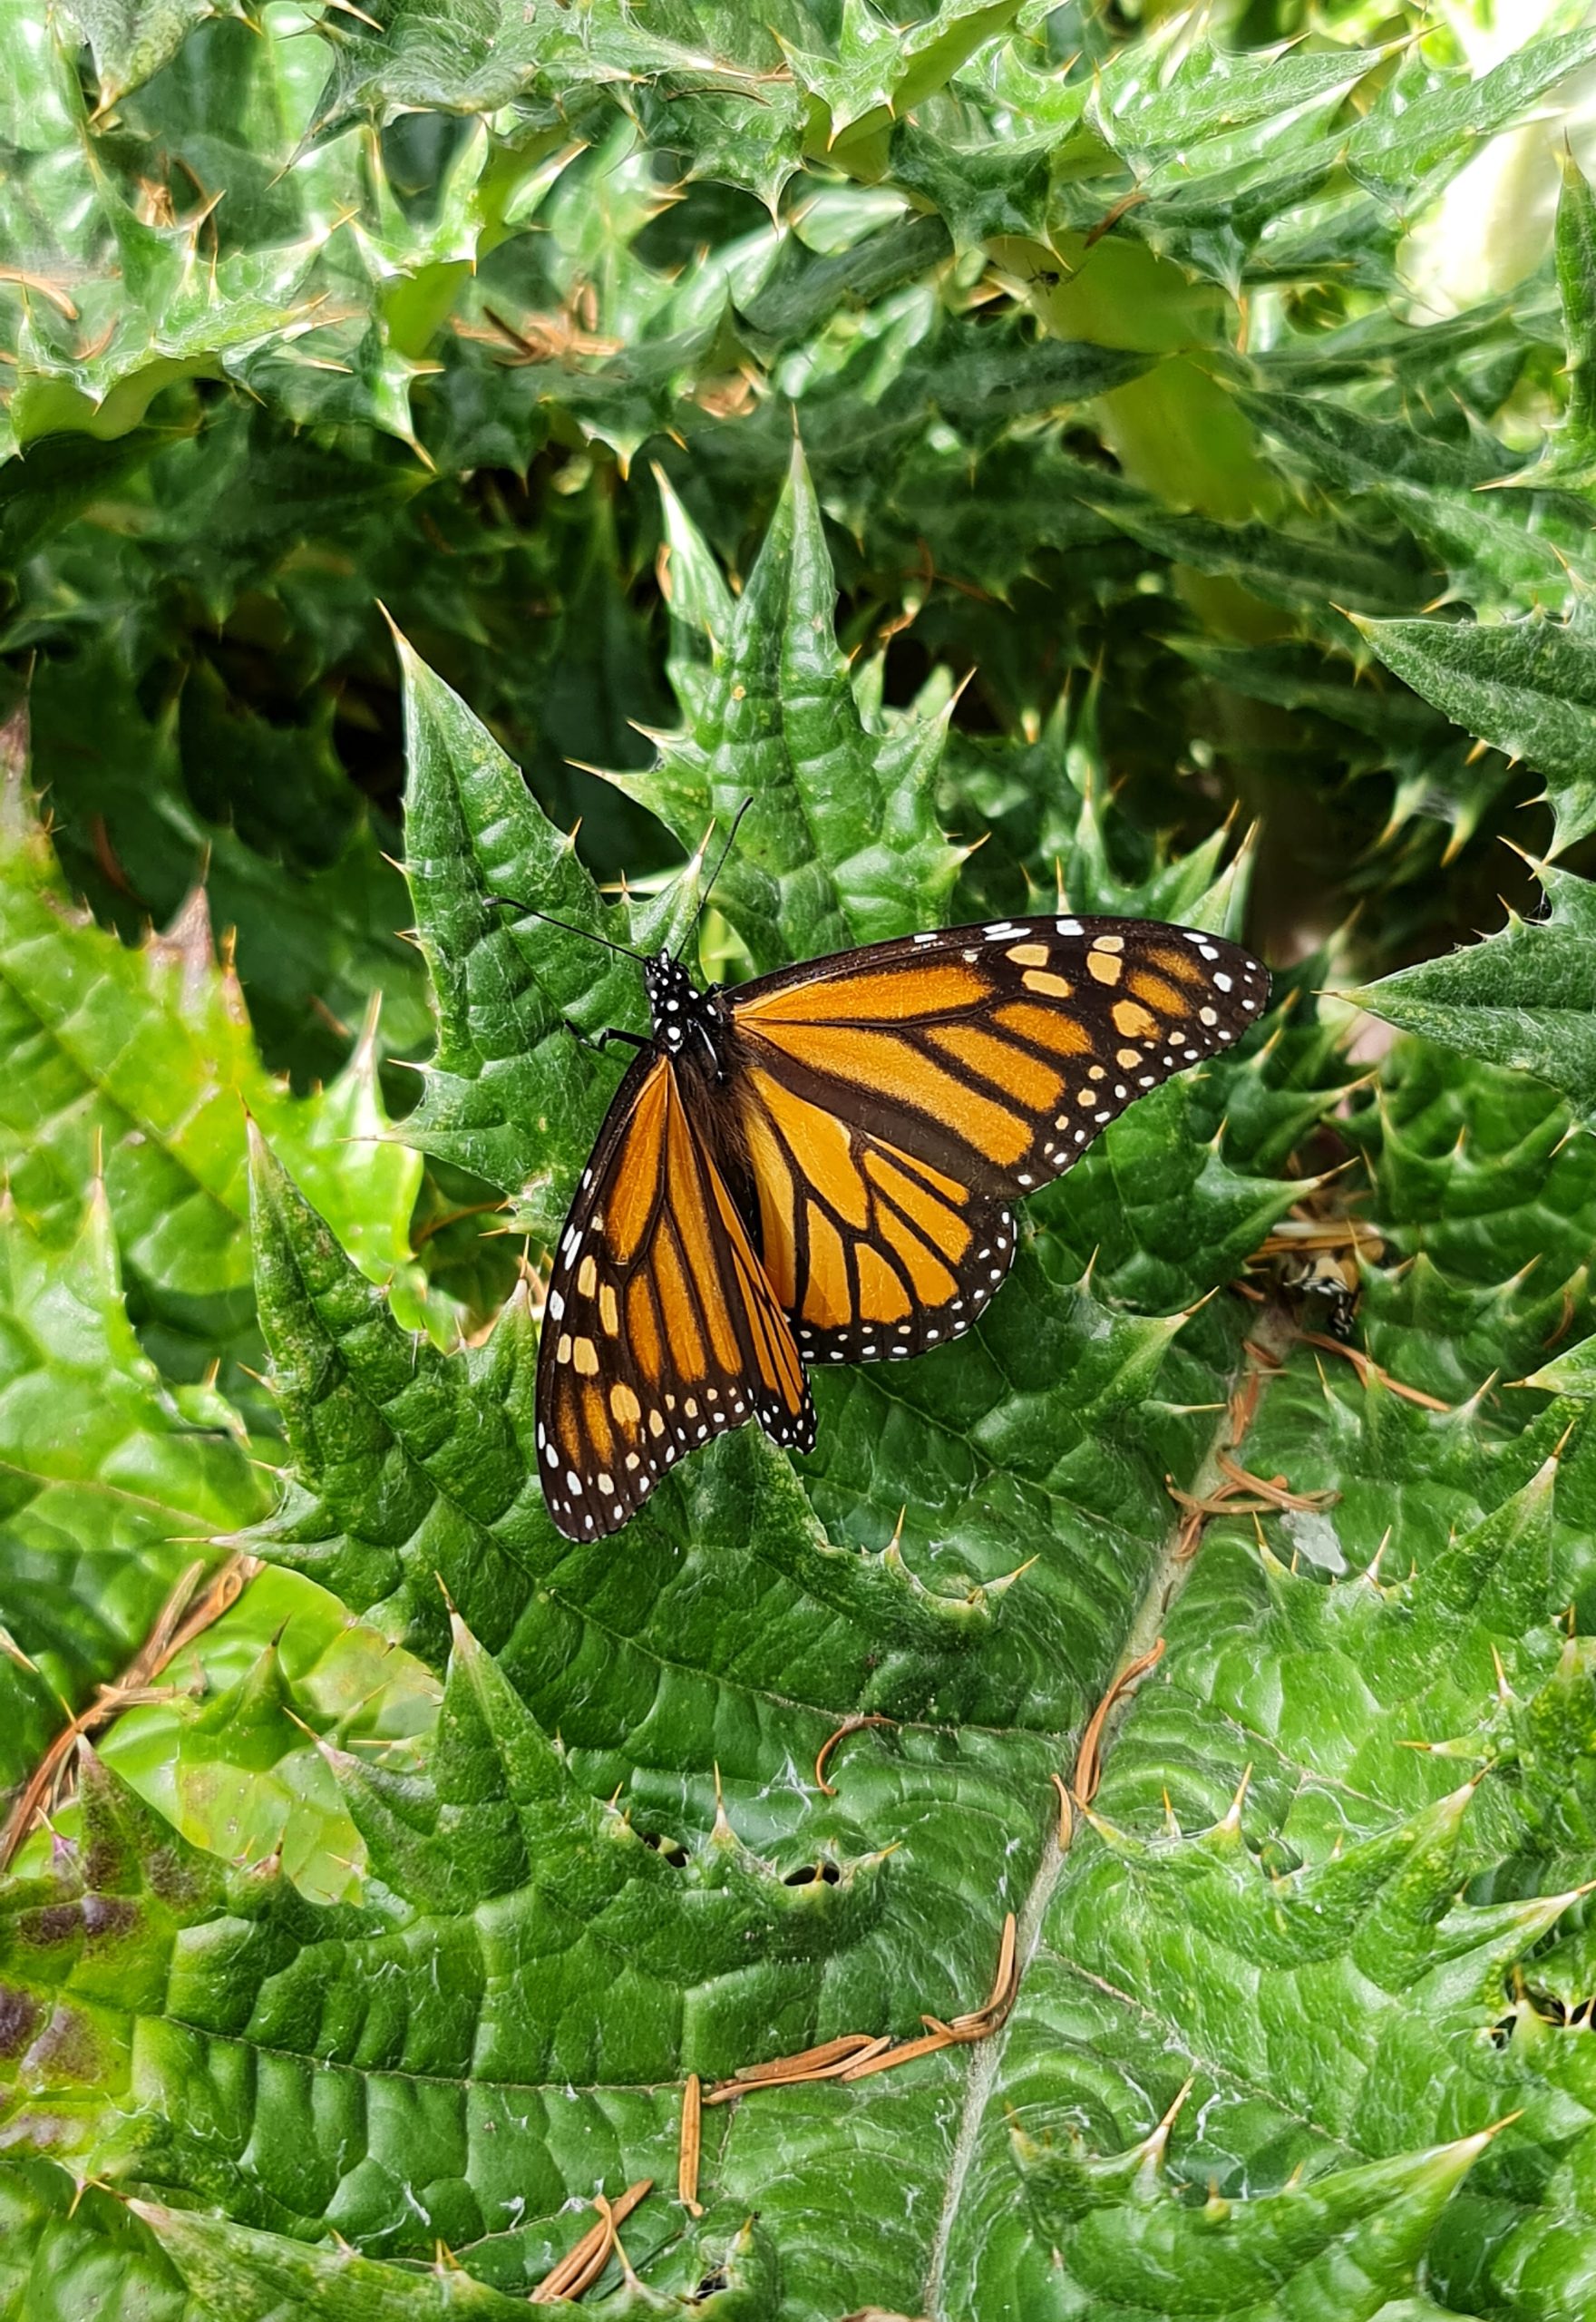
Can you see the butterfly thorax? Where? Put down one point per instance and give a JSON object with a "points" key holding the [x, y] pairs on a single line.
{"points": [[687, 1022]]}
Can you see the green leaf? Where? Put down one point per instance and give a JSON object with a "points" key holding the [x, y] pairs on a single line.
{"points": [[312, 1300], [122, 308], [133, 286], [717, 72], [1237, 1848], [62, 2243], [839, 844], [1494, 558], [232, 1757], [133, 39], [1436, 774], [1524, 997], [141, 807], [1576, 280], [1345, 2243], [875, 70], [57, 481], [462, 1885], [801, 289], [112, 1491], [259, 2277], [1197, 90], [982, 192], [508, 1075], [1269, 193], [1526, 687], [1570, 1373], [1309, 575], [1213, 147], [138, 1064], [1425, 120]]}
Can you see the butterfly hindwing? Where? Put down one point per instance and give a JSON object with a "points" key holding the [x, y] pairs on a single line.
{"points": [[661, 1329], [871, 1249], [896, 1099]]}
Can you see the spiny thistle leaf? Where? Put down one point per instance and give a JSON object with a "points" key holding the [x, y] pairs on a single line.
{"points": [[1141, 399], [133, 39], [1527, 686], [114, 1487], [140, 1063], [838, 844], [1569, 459], [1523, 996]]}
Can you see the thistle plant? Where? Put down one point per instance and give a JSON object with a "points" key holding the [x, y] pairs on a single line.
{"points": [[1111, 1832]]}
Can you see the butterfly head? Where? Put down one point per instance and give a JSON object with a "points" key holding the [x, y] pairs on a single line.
{"points": [[676, 1002]]}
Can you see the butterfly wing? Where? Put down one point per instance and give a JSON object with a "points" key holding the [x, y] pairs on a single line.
{"points": [[895, 1100], [661, 1328]]}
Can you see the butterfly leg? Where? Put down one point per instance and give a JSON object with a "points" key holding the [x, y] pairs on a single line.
{"points": [[599, 1041]]}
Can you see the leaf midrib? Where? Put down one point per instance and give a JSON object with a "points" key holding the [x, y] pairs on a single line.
{"points": [[1166, 1584]]}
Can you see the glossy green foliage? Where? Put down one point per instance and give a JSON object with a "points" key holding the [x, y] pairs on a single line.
{"points": [[139, 1063], [1525, 997], [1524, 686], [1013, 448], [1567, 459], [131, 40], [561, 241], [725, 1909], [116, 1484], [840, 844]]}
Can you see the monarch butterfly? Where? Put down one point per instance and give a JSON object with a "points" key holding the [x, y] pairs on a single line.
{"points": [[819, 1167]]}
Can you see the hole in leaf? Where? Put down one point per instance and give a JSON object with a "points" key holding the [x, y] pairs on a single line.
{"points": [[673, 1850], [1578, 2017]]}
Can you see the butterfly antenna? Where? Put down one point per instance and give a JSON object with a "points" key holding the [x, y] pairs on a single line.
{"points": [[720, 867], [513, 902]]}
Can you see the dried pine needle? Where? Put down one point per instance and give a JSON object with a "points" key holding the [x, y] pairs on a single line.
{"points": [[1088, 1764], [849, 1725], [856, 2056], [692, 2145], [580, 2267]]}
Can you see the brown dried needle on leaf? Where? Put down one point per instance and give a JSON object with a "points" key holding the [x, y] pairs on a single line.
{"points": [[580, 2267]]}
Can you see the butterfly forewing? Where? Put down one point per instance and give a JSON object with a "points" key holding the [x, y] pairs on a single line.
{"points": [[660, 1328], [896, 1099]]}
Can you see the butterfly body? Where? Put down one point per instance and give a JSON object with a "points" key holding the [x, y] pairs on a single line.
{"points": [[820, 1166], [686, 1019]]}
